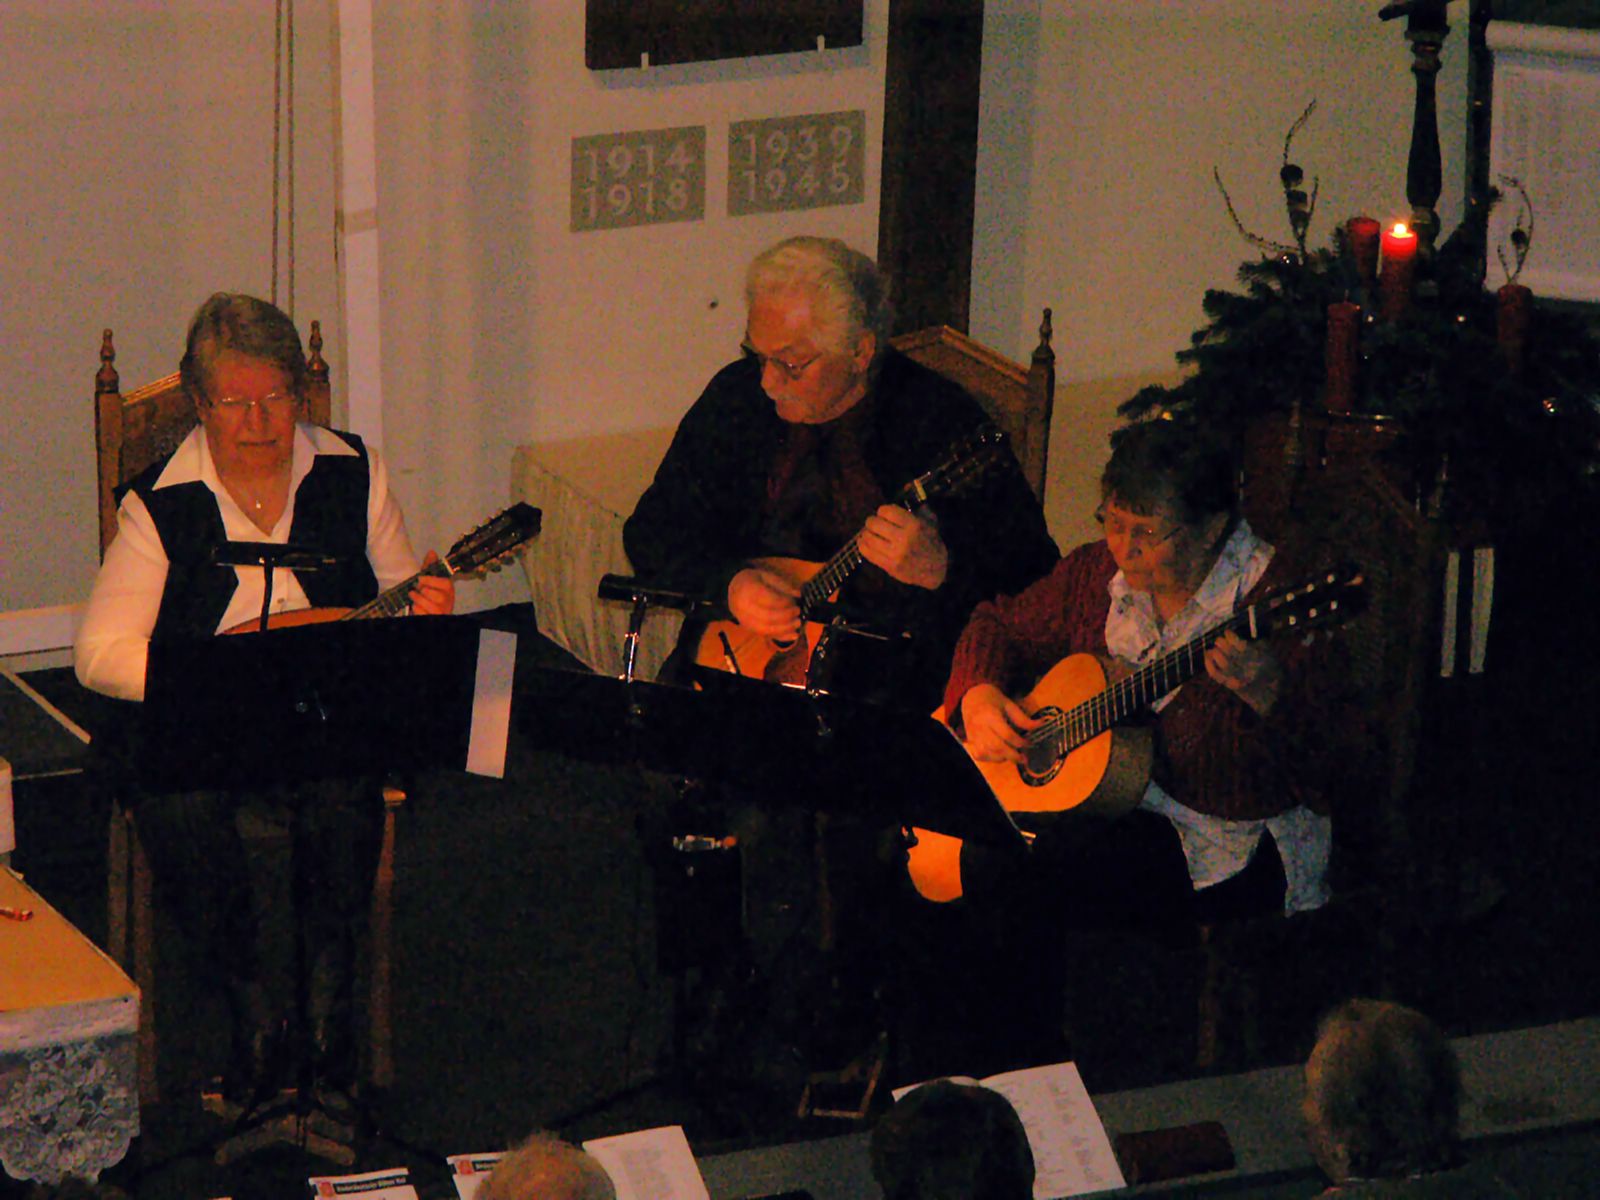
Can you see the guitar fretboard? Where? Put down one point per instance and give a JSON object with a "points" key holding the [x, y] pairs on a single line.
{"points": [[1066, 731], [394, 601], [825, 582], [814, 594]]}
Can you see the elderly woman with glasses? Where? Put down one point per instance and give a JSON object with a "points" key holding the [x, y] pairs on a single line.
{"points": [[253, 470], [1233, 818]]}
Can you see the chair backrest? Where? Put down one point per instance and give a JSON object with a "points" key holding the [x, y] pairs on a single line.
{"points": [[131, 432], [1018, 399]]}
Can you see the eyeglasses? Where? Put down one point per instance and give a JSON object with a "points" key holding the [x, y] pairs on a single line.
{"points": [[274, 404], [1142, 536], [791, 371]]}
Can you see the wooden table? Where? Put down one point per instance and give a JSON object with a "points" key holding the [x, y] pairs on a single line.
{"points": [[69, 1019]]}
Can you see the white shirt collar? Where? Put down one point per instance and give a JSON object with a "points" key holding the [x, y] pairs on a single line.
{"points": [[1134, 634], [192, 461]]}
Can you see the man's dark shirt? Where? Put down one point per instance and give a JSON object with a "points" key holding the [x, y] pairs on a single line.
{"points": [[712, 507]]}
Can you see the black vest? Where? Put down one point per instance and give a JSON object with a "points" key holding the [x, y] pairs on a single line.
{"points": [[330, 516]]}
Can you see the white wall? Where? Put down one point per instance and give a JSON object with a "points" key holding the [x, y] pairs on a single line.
{"points": [[138, 149], [134, 194], [501, 326], [1101, 121]]}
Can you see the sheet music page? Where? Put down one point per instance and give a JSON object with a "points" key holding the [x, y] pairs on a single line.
{"points": [[652, 1164], [468, 1171], [394, 1184], [1072, 1155]]}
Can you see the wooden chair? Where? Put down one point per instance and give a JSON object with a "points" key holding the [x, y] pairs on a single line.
{"points": [[132, 432], [1020, 400], [1344, 505]]}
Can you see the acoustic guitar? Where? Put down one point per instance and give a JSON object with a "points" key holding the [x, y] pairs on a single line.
{"points": [[485, 548], [1082, 756], [730, 647]]}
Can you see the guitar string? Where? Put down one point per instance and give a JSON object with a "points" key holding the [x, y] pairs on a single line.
{"points": [[1068, 730], [961, 465], [1082, 723], [395, 599]]}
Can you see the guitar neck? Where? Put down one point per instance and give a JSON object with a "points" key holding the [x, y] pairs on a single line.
{"points": [[1134, 693], [393, 602], [842, 565], [828, 580]]}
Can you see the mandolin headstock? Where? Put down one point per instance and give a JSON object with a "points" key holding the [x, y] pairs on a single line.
{"points": [[491, 544], [967, 461]]}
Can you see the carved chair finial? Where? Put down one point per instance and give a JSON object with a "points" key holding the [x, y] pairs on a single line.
{"points": [[1044, 352], [106, 378], [314, 361]]}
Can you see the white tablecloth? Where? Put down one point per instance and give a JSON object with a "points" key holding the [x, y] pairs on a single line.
{"points": [[69, 1019]]}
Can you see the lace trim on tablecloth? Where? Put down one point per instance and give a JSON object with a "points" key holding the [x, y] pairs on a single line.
{"points": [[68, 1110]]}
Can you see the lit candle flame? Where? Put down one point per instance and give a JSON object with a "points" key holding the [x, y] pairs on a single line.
{"points": [[1400, 229]]}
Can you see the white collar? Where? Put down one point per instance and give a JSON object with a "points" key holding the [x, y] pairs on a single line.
{"points": [[191, 462], [1134, 634]]}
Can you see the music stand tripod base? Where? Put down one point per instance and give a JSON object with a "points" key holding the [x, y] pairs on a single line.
{"points": [[314, 1131]]}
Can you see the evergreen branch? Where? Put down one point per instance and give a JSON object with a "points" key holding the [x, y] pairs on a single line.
{"points": [[1254, 239]]}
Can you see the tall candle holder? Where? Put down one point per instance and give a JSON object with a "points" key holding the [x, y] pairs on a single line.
{"points": [[1426, 30]]}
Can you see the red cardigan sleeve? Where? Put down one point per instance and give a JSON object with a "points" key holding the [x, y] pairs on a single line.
{"points": [[1012, 640]]}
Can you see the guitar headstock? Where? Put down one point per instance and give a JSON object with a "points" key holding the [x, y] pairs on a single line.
{"points": [[1330, 598], [967, 461], [497, 539]]}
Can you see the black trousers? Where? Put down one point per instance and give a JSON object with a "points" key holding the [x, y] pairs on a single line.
{"points": [[201, 863], [981, 981]]}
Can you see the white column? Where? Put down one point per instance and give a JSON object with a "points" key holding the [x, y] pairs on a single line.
{"points": [[357, 220]]}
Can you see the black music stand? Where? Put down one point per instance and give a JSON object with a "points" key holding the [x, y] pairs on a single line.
{"points": [[812, 749], [288, 706], [317, 701], [778, 744]]}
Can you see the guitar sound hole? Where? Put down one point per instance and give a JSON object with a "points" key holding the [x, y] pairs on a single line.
{"points": [[1041, 762]]}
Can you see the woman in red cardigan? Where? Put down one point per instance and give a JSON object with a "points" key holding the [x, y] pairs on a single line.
{"points": [[1235, 816]]}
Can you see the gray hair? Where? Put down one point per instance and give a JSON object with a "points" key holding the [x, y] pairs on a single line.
{"points": [[1383, 1090], [849, 293], [544, 1167], [231, 323]]}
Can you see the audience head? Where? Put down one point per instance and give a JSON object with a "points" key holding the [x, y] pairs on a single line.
{"points": [[952, 1141], [849, 296], [229, 323], [1383, 1092], [546, 1168]]}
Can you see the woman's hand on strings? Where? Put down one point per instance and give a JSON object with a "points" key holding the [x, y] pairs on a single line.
{"points": [[996, 725]]}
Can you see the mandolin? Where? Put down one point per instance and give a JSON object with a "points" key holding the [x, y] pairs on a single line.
{"points": [[1082, 756], [728, 646], [485, 548]]}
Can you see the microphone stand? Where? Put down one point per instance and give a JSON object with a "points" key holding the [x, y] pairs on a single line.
{"points": [[270, 556]]}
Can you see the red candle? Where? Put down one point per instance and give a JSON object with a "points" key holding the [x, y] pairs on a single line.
{"points": [[1342, 355], [1362, 234], [1513, 311], [1399, 264]]}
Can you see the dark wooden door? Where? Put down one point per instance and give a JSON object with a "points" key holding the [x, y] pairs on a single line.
{"points": [[930, 155]]}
